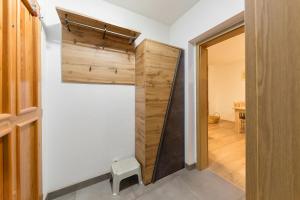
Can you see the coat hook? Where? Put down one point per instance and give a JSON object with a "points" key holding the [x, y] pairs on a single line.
{"points": [[67, 22], [128, 55], [90, 69], [105, 29]]}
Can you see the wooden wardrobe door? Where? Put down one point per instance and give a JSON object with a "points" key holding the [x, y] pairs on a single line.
{"points": [[273, 93], [8, 14], [28, 139], [20, 158]]}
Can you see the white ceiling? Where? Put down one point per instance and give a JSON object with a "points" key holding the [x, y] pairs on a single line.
{"points": [[228, 51], [165, 11]]}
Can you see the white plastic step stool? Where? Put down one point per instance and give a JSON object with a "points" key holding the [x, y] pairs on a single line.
{"points": [[124, 169]]}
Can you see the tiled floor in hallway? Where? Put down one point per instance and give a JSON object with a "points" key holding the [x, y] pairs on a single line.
{"points": [[183, 185]]}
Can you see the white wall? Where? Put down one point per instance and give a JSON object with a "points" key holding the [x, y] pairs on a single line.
{"points": [[226, 85], [203, 16], [86, 126]]}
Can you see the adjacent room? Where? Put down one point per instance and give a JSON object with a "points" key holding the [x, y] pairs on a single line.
{"points": [[226, 100], [149, 100]]}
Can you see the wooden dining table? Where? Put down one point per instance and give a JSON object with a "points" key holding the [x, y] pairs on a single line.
{"points": [[239, 108]]}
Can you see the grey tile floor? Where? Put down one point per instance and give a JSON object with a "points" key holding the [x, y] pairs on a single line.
{"points": [[183, 185]]}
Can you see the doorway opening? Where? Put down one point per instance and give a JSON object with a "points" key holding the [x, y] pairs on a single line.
{"points": [[226, 109], [221, 112]]}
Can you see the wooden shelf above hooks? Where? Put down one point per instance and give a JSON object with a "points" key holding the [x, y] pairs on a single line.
{"points": [[90, 31]]}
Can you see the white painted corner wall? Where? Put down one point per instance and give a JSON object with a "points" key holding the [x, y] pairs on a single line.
{"points": [[86, 126], [205, 15]]}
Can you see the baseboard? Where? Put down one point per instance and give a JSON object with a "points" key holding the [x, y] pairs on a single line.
{"points": [[77, 186], [92, 181], [190, 167]]}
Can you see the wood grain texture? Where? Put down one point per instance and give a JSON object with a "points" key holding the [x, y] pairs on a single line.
{"points": [[227, 154], [92, 65], [1, 54], [37, 63], [276, 35], [27, 160], [155, 71], [79, 35], [92, 37], [90, 56], [32, 6], [1, 169], [20, 90], [202, 139], [170, 155], [8, 55], [251, 105], [27, 119], [8, 97], [140, 106], [223, 37], [25, 66]]}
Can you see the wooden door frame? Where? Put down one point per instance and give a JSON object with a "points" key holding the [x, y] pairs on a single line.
{"points": [[228, 29]]}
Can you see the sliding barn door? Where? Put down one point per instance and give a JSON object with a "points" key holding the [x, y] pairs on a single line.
{"points": [[273, 99], [20, 135]]}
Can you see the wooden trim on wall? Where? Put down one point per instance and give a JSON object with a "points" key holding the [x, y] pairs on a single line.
{"points": [[202, 120], [228, 29], [225, 36], [220, 29]]}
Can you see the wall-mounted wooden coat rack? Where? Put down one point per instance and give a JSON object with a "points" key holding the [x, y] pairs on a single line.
{"points": [[94, 51]]}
